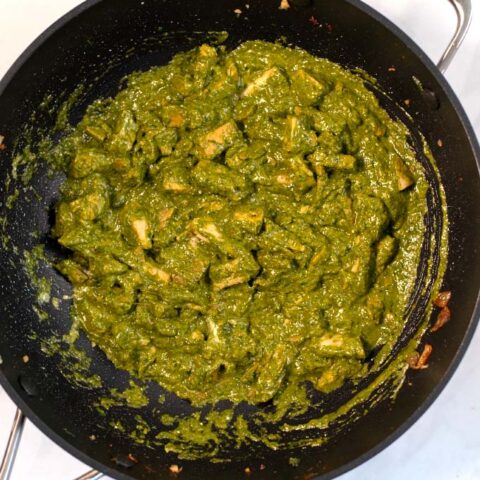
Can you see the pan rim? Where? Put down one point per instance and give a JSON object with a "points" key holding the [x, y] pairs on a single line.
{"points": [[472, 324]]}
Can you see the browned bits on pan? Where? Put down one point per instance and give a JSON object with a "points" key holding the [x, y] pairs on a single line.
{"points": [[440, 142], [248, 471], [175, 469], [442, 318], [25, 359], [427, 351], [314, 21], [419, 362], [442, 299], [413, 359], [132, 458]]}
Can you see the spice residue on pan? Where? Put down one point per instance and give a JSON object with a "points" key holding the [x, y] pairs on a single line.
{"points": [[243, 226]]}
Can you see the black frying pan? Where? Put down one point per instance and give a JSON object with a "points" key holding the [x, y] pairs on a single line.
{"points": [[96, 45]]}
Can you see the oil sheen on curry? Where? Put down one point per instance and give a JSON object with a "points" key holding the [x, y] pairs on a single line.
{"points": [[241, 224]]}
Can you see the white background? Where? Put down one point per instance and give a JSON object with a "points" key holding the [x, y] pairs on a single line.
{"points": [[445, 443]]}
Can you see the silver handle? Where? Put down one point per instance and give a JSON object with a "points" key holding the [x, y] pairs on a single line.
{"points": [[12, 448], [463, 9], [91, 475], [12, 445]]}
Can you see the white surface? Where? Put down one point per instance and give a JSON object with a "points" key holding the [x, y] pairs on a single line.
{"points": [[445, 443]]}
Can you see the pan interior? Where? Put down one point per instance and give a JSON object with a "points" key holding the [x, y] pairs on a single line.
{"points": [[88, 367], [323, 405], [25, 330]]}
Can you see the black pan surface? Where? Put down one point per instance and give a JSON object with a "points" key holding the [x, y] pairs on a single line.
{"points": [[96, 45]]}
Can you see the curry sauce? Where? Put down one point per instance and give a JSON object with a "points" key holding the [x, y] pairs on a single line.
{"points": [[241, 224]]}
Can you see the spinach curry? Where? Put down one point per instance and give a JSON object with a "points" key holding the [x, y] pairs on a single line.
{"points": [[242, 224]]}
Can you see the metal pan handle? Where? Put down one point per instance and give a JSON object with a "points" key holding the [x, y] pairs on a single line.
{"points": [[463, 9], [12, 446], [91, 475]]}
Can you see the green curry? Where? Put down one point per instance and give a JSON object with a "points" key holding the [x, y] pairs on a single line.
{"points": [[241, 224]]}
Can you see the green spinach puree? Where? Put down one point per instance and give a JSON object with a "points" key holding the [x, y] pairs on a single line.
{"points": [[241, 224]]}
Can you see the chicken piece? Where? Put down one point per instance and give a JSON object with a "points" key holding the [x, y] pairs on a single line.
{"points": [[215, 178], [164, 216], [249, 218], [215, 142], [308, 89], [155, 272], [386, 249], [298, 137], [141, 228], [125, 133], [87, 162], [260, 81], [404, 175], [338, 345], [347, 163]]}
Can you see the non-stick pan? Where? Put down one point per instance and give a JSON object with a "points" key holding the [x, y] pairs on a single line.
{"points": [[96, 45]]}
